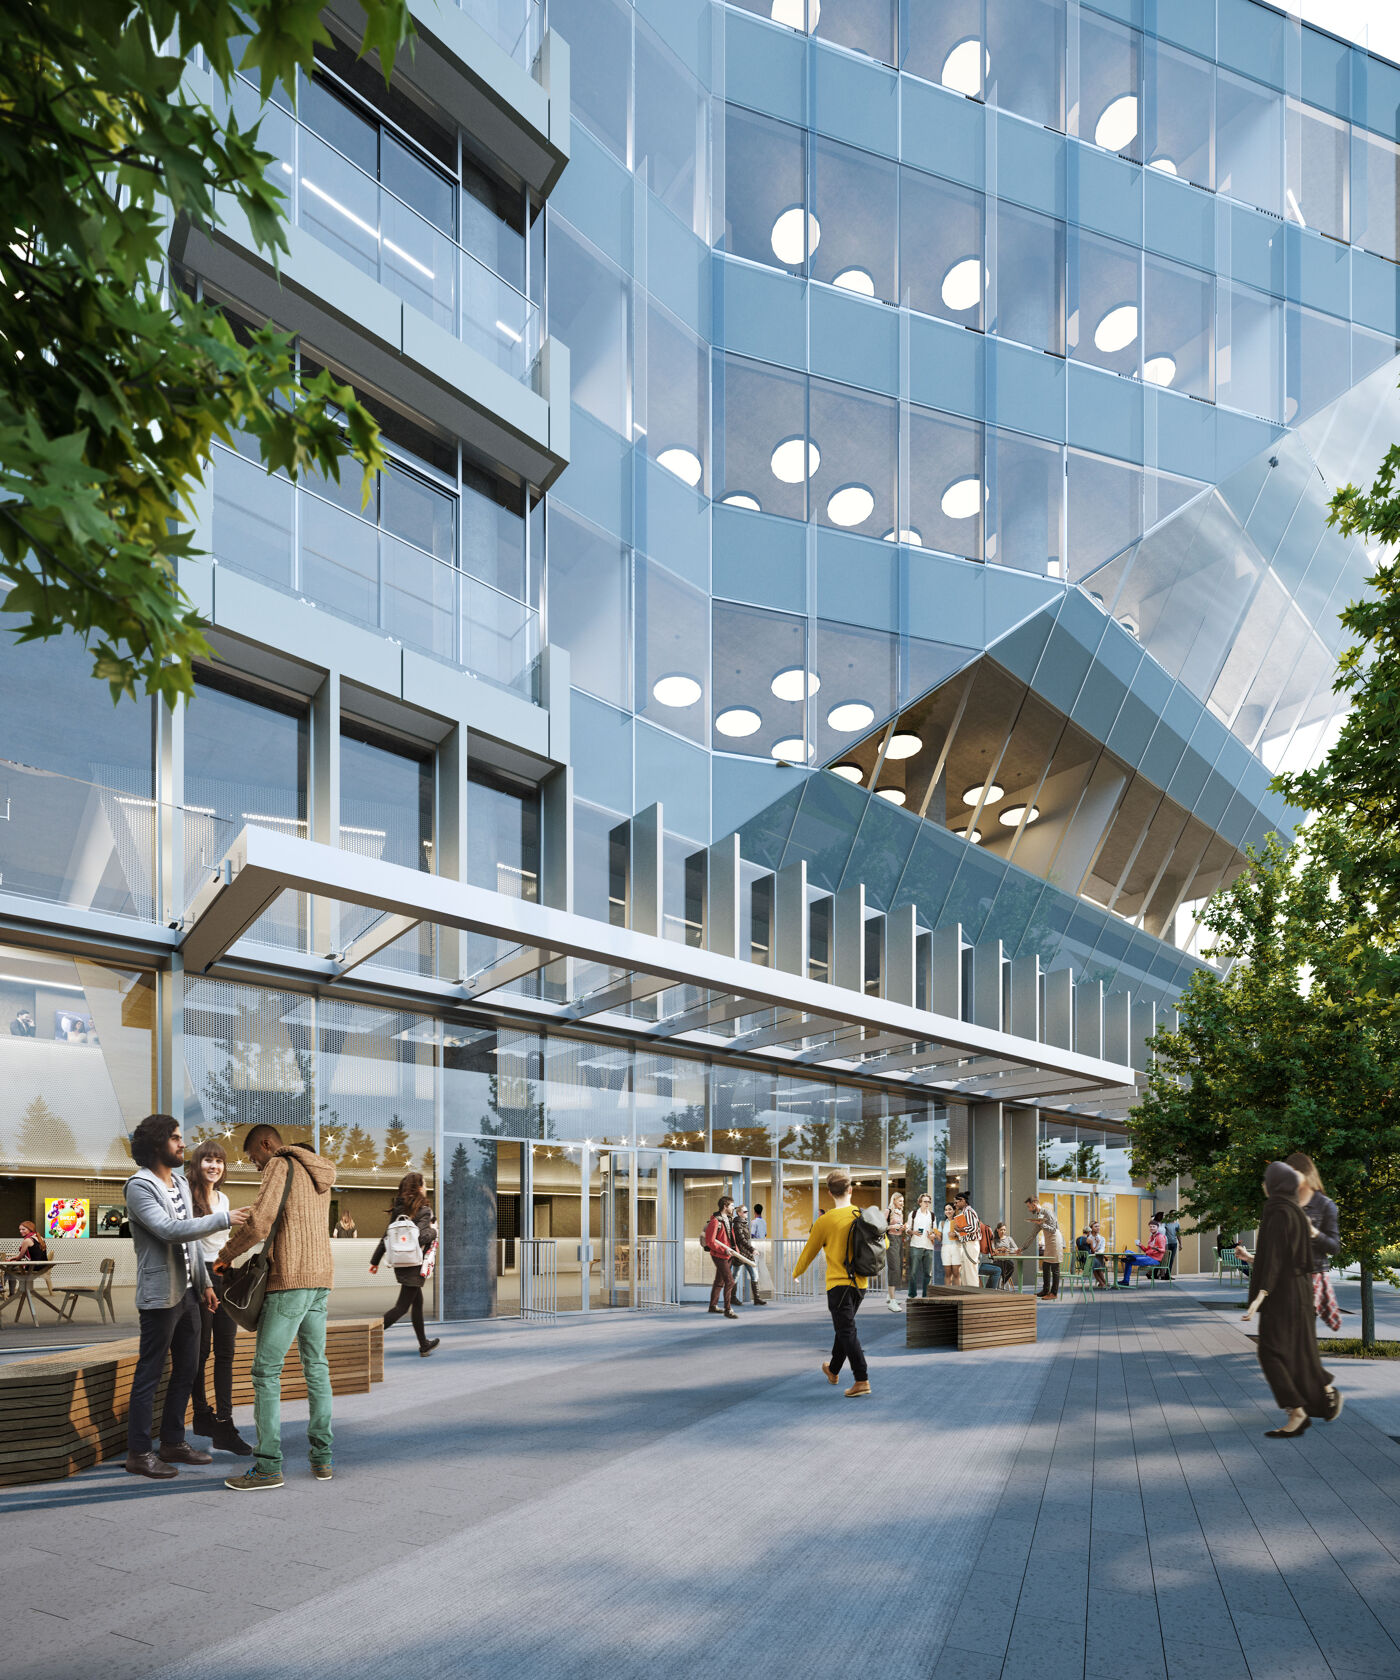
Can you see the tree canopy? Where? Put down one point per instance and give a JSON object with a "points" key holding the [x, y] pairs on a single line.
{"points": [[112, 385]]}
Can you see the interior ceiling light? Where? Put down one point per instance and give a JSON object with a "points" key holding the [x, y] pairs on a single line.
{"points": [[963, 283], [1011, 816], [737, 722], [1118, 125], [904, 746], [905, 534], [795, 684], [992, 791], [855, 280], [684, 463], [963, 498], [797, 14], [1117, 330], [676, 690], [849, 716], [740, 499], [852, 504], [789, 457], [965, 66], [1166, 166], [894, 795], [848, 772], [1159, 370], [788, 235], [972, 835], [793, 750]]}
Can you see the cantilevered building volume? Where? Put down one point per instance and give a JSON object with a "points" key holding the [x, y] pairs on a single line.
{"points": [[851, 560]]}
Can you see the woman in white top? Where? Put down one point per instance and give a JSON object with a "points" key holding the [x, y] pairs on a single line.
{"points": [[205, 1170], [922, 1232], [952, 1248], [894, 1260]]}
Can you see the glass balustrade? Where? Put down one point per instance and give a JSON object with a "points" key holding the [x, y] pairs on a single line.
{"points": [[300, 542], [516, 26], [344, 208]]}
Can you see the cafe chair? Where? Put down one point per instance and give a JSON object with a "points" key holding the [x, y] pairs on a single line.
{"points": [[101, 1292]]}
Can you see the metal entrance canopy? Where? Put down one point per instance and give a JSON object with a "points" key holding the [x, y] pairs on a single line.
{"points": [[653, 988]]}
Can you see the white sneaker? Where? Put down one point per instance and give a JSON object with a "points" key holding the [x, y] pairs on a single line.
{"points": [[891, 1304]]}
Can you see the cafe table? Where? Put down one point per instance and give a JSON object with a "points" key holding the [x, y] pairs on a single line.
{"points": [[27, 1273]]}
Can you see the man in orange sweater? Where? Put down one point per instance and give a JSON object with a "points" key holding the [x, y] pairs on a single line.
{"points": [[843, 1291], [294, 1308]]}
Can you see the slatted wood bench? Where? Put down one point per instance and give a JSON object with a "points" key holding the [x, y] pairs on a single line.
{"points": [[954, 1316], [64, 1412]]}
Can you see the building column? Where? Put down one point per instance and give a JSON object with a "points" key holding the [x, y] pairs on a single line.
{"points": [[324, 801], [1023, 1167], [988, 1165]]}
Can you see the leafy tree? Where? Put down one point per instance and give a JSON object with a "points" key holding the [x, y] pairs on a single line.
{"points": [[1295, 1046], [112, 386]]}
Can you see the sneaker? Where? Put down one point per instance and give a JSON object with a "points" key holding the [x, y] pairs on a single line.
{"points": [[253, 1479], [856, 1389], [891, 1305], [428, 1347], [322, 1472]]}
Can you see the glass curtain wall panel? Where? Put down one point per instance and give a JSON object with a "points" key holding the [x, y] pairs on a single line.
{"points": [[387, 798], [855, 201], [943, 265]]}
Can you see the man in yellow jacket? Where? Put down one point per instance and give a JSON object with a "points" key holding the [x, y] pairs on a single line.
{"points": [[843, 1292]]}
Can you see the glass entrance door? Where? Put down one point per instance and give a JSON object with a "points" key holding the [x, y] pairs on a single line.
{"points": [[695, 1194], [610, 1279]]}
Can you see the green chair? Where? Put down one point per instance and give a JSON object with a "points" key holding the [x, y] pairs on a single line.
{"points": [[1077, 1277]]}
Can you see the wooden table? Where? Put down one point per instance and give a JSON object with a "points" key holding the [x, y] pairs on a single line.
{"points": [[953, 1316], [26, 1272]]}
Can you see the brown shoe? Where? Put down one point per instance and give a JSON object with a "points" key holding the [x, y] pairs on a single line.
{"points": [[147, 1464], [730, 1313], [829, 1374], [857, 1389], [183, 1453]]}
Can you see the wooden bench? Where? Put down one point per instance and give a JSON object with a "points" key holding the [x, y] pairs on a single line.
{"points": [[953, 1316], [64, 1412]]}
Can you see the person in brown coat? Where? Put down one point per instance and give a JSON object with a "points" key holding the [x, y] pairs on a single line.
{"points": [[295, 1305]]}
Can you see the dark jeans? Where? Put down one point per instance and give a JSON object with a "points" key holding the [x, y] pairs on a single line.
{"points": [[217, 1333], [844, 1303], [920, 1271], [723, 1284], [1051, 1285], [173, 1330], [1171, 1259], [410, 1301]]}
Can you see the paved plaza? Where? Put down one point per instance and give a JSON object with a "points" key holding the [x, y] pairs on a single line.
{"points": [[635, 1496]]}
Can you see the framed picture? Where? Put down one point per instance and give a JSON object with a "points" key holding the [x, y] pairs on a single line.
{"points": [[71, 1028], [65, 1216], [111, 1220]]}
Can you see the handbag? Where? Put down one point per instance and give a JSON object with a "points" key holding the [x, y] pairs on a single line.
{"points": [[1325, 1301], [246, 1287]]}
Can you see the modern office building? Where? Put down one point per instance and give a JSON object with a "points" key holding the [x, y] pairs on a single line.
{"points": [[851, 560]]}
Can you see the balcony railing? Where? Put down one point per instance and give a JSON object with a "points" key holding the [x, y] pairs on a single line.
{"points": [[286, 535], [351, 213], [516, 26]]}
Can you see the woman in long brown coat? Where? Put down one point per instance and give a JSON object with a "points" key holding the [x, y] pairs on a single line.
{"points": [[1281, 1292]]}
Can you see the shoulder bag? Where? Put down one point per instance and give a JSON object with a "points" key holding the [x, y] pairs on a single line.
{"points": [[247, 1284]]}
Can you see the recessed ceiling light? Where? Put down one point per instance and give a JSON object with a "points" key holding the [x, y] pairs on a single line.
{"points": [[855, 280], [1118, 125], [894, 795], [963, 498], [797, 14], [852, 504], [904, 746], [972, 835], [965, 66], [963, 283], [740, 500], [676, 690], [788, 235], [905, 534], [794, 459], [795, 684], [1159, 370], [848, 772], [1011, 816], [1166, 165], [684, 463], [991, 790], [850, 715], [793, 750], [1118, 329], [738, 721]]}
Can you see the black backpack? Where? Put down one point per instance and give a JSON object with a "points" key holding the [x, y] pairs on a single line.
{"points": [[865, 1244]]}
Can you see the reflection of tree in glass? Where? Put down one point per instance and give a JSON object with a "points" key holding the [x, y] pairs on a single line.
{"points": [[1084, 1164], [685, 1128], [260, 1084], [468, 1241], [46, 1137], [397, 1156], [807, 1140]]}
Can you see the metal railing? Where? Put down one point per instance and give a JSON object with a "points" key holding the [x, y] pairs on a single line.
{"points": [[659, 1262], [811, 1286], [539, 1279]]}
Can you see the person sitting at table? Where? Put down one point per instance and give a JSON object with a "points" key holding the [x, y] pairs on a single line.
{"points": [[31, 1247], [1002, 1244], [1146, 1256], [1098, 1262]]}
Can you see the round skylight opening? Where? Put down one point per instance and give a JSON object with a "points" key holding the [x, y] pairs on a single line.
{"points": [[738, 721], [850, 716], [965, 66], [684, 463], [848, 772], [1117, 330], [990, 790], [1165, 165], [741, 499], [788, 241], [851, 505], [905, 534], [973, 836], [1159, 370], [795, 684], [1118, 125], [904, 746], [792, 750], [677, 690], [797, 14], [855, 280], [963, 283], [963, 498], [794, 459], [1011, 816], [894, 795]]}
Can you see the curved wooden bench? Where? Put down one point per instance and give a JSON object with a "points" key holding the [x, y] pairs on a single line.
{"points": [[953, 1316], [63, 1412]]}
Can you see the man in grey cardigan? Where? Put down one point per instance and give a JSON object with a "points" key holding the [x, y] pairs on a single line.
{"points": [[171, 1284]]}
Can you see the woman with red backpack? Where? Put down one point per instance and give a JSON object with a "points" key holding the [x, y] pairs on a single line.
{"points": [[408, 1242]]}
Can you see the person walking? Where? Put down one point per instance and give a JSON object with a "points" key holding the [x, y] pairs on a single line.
{"points": [[922, 1232], [844, 1292], [205, 1170], [413, 1214], [744, 1250], [294, 1308], [718, 1242], [1281, 1294], [896, 1235], [171, 1284], [1171, 1224], [1052, 1248], [1321, 1213]]}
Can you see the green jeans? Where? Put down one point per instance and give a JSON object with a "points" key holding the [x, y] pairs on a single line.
{"points": [[291, 1315]]}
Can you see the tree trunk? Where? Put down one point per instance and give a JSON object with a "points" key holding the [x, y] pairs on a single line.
{"points": [[1368, 1309]]}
